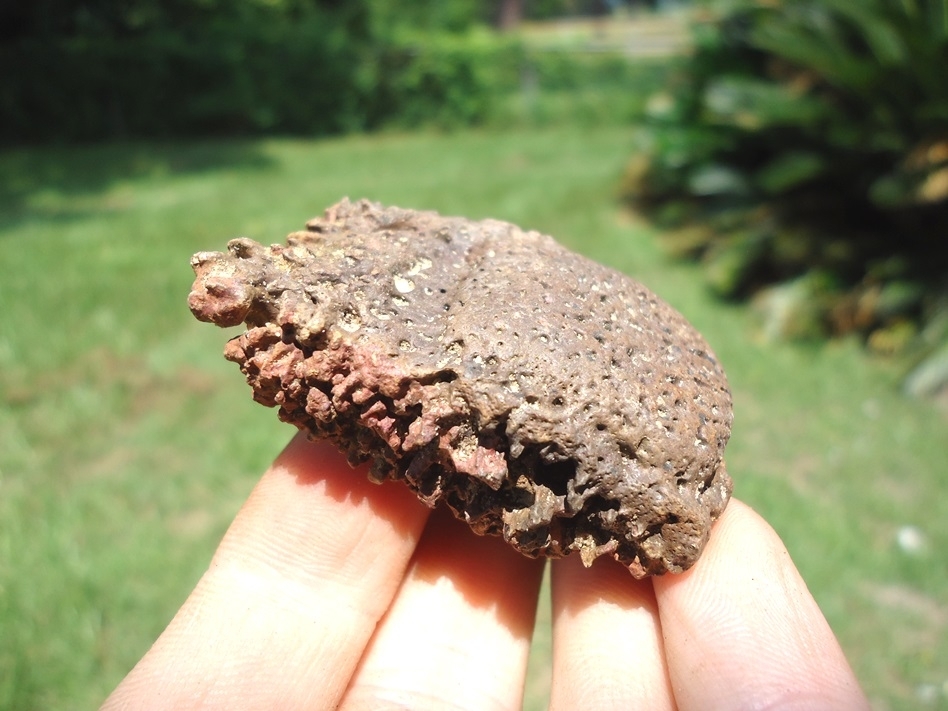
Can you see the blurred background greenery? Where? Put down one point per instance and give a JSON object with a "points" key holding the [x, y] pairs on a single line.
{"points": [[777, 171]]}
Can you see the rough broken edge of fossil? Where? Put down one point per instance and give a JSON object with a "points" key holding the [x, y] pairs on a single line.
{"points": [[445, 421]]}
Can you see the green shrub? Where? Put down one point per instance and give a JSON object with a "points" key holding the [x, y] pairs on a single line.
{"points": [[443, 79], [811, 136], [310, 76], [558, 86], [245, 73]]}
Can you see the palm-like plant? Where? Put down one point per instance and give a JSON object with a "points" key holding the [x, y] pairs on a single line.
{"points": [[812, 136]]}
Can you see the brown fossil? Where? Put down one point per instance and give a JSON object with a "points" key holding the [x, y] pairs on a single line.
{"points": [[541, 396]]}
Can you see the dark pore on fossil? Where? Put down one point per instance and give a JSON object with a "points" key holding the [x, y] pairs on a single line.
{"points": [[541, 396]]}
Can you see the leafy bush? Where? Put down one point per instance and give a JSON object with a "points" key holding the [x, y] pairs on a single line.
{"points": [[300, 68], [243, 72], [811, 137], [443, 79], [586, 88]]}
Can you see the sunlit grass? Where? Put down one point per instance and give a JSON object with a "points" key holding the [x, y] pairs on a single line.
{"points": [[127, 443]]}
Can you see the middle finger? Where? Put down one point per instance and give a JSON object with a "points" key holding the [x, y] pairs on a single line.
{"points": [[458, 633], [607, 641]]}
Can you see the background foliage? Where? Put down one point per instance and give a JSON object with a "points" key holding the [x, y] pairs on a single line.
{"points": [[84, 70], [806, 144]]}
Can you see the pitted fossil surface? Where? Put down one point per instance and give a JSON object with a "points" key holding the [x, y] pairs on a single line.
{"points": [[541, 396]]}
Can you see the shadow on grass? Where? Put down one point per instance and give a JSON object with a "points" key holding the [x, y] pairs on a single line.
{"points": [[62, 183]]}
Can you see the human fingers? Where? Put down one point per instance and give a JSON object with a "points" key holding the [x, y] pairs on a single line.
{"points": [[742, 631], [291, 597], [457, 634], [607, 642]]}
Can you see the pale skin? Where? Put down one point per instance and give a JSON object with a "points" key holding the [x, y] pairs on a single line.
{"points": [[331, 592]]}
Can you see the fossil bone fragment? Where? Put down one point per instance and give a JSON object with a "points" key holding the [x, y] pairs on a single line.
{"points": [[541, 396]]}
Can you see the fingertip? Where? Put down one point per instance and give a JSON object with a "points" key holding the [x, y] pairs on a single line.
{"points": [[607, 645], [457, 634], [292, 595], [741, 628], [313, 515]]}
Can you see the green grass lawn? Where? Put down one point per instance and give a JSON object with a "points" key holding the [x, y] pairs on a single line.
{"points": [[127, 443]]}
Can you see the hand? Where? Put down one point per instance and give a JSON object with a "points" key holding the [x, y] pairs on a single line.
{"points": [[331, 592]]}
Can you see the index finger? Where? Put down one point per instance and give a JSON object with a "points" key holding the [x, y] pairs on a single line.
{"points": [[291, 597]]}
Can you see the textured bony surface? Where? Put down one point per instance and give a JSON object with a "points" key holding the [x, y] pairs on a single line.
{"points": [[543, 397]]}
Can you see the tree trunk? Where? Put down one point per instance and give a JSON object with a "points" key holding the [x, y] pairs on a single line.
{"points": [[511, 12]]}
